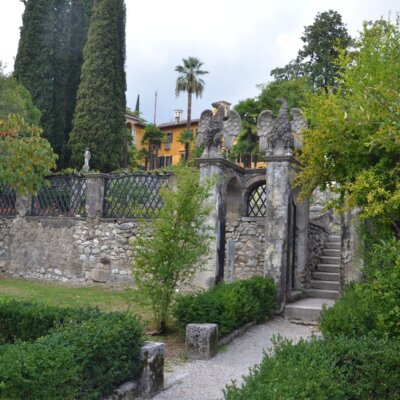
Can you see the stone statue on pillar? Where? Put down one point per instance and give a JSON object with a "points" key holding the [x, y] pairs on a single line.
{"points": [[88, 156], [215, 131], [279, 136]]}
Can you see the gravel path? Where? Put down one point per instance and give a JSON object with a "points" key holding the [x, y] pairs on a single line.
{"points": [[205, 380]]}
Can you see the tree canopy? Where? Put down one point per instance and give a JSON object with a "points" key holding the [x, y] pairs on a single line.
{"points": [[25, 157], [189, 81], [323, 41], [15, 99], [352, 145]]}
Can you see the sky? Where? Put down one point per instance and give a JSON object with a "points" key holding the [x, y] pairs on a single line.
{"points": [[239, 43]]}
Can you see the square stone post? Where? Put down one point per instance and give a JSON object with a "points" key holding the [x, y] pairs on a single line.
{"points": [[95, 194], [213, 168], [278, 195], [23, 205]]}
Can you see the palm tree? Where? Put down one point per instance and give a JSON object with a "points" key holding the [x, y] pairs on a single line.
{"points": [[153, 137], [189, 81]]}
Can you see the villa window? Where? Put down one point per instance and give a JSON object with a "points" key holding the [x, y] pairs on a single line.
{"points": [[168, 143]]}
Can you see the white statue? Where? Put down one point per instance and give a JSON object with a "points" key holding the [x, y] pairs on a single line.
{"points": [[87, 159]]}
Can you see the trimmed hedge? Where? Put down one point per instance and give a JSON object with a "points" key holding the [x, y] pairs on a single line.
{"points": [[230, 305], [339, 368], [26, 320], [82, 359]]}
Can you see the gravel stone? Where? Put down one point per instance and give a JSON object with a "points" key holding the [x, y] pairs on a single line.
{"points": [[205, 380]]}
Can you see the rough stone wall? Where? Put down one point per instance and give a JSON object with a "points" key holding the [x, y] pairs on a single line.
{"points": [[317, 236], [249, 237], [68, 249]]}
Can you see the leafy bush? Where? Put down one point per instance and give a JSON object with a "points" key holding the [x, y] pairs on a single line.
{"points": [[230, 305], [370, 307], [26, 320], [85, 361], [340, 368]]}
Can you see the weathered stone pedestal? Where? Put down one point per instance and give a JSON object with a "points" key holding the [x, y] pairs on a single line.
{"points": [[201, 341]]}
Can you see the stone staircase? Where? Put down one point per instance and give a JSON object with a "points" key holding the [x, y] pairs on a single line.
{"points": [[325, 280], [324, 285]]}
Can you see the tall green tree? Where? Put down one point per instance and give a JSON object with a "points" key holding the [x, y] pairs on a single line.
{"points": [[189, 81], [99, 121], [77, 30], [353, 142], [48, 63], [179, 243], [152, 138], [40, 63], [323, 41]]}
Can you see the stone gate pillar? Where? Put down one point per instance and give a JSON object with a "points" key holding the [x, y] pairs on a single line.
{"points": [[278, 197], [213, 168], [278, 139]]}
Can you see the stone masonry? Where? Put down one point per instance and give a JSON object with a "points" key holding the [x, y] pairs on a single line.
{"points": [[249, 237], [68, 249]]}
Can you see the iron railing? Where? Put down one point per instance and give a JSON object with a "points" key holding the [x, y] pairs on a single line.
{"points": [[133, 196], [256, 202], [7, 201], [61, 196]]}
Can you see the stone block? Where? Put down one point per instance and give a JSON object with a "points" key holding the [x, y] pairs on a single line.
{"points": [[152, 378], [201, 341], [100, 275]]}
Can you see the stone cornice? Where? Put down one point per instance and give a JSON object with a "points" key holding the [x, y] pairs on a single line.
{"points": [[229, 164]]}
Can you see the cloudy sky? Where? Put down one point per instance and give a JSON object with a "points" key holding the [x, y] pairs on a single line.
{"points": [[239, 43]]}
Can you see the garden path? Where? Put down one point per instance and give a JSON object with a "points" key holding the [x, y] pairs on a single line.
{"points": [[205, 380]]}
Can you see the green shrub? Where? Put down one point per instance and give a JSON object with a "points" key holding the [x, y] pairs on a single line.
{"points": [[230, 305], [370, 307], [85, 361], [26, 320], [340, 368]]}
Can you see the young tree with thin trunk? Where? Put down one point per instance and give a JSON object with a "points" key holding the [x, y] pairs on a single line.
{"points": [[189, 81]]}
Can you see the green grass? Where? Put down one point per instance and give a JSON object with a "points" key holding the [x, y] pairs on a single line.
{"points": [[107, 299]]}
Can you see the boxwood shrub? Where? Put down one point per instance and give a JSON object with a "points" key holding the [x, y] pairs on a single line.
{"points": [[230, 305], [85, 358], [337, 368], [27, 320], [372, 307]]}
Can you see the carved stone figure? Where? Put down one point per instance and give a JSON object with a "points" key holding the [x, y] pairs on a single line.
{"points": [[277, 136], [88, 156], [213, 130], [298, 124]]}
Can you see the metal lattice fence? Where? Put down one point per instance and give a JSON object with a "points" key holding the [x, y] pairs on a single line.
{"points": [[133, 196], [256, 203], [63, 196], [7, 201]]}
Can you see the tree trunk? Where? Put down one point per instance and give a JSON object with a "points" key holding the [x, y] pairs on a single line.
{"points": [[188, 123], [150, 156]]}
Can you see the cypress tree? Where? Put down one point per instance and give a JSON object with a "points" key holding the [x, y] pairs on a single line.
{"points": [[49, 61], [99, 120], [41, 61], [78, 26]]}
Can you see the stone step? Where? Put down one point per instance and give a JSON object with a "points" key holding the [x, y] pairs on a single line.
{"points": [[328, 285], [332, 245], [335, 269], [333, 238], [331, 252], [325, 276], [322, 293], [330, 260], [306, 310]]}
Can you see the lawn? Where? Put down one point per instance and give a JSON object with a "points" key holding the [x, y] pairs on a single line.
{"points": [[106, 298]]}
